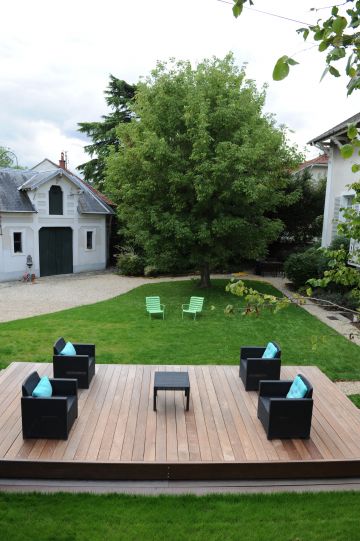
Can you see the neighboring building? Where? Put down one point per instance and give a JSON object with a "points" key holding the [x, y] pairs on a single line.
{"points": [[317, 167], [54, 217], [339, 177]]}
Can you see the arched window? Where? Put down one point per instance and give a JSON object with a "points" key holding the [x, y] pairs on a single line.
{"points": [[55, 200]]}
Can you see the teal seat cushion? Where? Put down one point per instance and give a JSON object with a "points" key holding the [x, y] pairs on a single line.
{"points": [[43, 389], [270, 351], [298, 389], [68, 349]]}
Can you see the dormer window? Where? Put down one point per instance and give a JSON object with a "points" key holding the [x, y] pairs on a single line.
{"points": [[55, 200]]}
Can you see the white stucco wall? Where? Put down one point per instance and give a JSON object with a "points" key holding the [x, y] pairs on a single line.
{"points": [[13, 266], [338, 178], [318, 171]]}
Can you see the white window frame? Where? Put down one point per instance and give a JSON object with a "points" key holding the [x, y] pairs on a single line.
{"points": [[22, 232], [93, 231]]}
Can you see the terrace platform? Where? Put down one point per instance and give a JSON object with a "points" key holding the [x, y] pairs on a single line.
{"points": [[118, 436]]}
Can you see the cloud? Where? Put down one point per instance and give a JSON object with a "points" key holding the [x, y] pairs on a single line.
{"points": [[56, 59]]}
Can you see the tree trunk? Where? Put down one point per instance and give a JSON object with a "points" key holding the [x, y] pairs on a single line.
{"points": [[205, 276]]}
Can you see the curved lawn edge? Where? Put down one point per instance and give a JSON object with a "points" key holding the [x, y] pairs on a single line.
{"points": [[123, 333]]}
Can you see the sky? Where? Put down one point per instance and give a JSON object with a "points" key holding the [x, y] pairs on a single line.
{"points": [[56, 58]]}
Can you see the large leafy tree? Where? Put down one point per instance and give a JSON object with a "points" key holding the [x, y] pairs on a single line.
{"points": [[302, 215], [7, 158], [199, 167], [118, 96]]}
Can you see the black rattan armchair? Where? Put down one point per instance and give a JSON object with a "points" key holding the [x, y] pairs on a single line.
{"points": [[80, 366], [254, 368], [50, 417], [284, 417]]}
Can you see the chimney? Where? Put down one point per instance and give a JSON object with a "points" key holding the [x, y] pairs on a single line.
{"points": [[62, 162]]}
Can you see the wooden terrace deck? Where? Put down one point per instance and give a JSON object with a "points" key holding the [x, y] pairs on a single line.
{"points": [[118, 435]]}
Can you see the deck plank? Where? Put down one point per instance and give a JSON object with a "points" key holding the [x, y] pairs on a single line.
{"points": [[117, 424]]}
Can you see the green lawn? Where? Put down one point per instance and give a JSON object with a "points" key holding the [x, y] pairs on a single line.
{"points": [[356, 399], [83, 517], [123, 333]]}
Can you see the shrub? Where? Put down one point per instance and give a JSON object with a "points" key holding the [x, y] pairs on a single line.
{"points": [[301, 267], [339, 242], [150, 270], [130, 264], [344, 299]]}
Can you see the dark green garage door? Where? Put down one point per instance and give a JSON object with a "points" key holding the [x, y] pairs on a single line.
{"points": [[56, 252]]}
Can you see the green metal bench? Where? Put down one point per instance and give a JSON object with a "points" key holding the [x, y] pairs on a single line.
{"points": [[194, 307], [153, 306]]}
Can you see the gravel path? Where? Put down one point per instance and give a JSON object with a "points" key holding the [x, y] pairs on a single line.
{"points": [[54, 293]]}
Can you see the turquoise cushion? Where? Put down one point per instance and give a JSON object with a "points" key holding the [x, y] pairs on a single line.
{"points": [[68, 349], [270, 351], [43, 388], [298, 389]]}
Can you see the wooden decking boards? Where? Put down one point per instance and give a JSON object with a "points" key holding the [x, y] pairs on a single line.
{"points": [[118, 435]]}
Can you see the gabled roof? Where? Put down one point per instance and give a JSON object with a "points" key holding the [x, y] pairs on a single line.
{"points": [[337, 130], [12, 180], [319, 161], [11, 199], [51, 166]]}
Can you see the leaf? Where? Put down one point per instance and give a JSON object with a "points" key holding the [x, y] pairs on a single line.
{"points": [[324, 73], [323, 46], [352, 131], [237, 8], [319, 34], [292, 62], [355, 168], [353, 84], [304, 31], [281, 69], [334, 71], [347, 151], [339, 25], [334, 11]]}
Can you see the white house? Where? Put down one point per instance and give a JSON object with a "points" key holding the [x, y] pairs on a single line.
{"points": [[317, 167], [53, 220], [339, 177]]}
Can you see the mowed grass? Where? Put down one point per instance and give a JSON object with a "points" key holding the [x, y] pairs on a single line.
{"points": [[355, 398], [123, 332], [83, 517]]}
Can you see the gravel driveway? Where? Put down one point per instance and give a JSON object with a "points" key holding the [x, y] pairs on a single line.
{"points": [[54, 293]]}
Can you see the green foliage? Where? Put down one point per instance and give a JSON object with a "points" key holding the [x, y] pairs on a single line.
{"points": [[300, 267], [340, 242], [199, 167], [130, 264], [351, 227], [338, 272], [339, 298], [282, 67], [118, 97], [8, 158], [255, 300], [302, 209], [338, 35]]}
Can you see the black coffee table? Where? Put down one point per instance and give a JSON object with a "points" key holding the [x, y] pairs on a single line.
{"points": [[172, 381]]}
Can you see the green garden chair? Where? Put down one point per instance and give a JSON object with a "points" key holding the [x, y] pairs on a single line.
{"points": [[194, 307], [153, 306]]}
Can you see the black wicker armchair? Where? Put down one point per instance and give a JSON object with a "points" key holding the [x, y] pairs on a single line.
{"points": [[254, 368], [80, 366], [284, 417], [50, 417]]}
